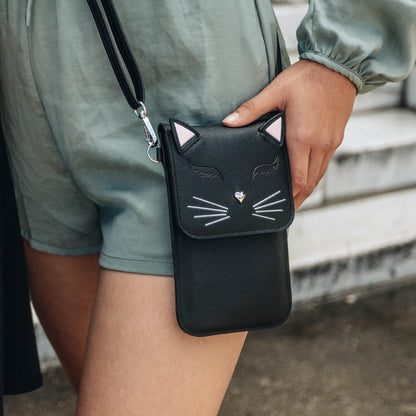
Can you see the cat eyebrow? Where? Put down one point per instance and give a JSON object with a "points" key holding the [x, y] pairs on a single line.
{"points": [[266, 168], [207, 171]]}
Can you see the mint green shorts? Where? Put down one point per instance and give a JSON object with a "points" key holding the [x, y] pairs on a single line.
{"points": [[82, 179]]}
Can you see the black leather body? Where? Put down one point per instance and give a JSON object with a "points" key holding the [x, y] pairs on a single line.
{"points": [[230, 202]]}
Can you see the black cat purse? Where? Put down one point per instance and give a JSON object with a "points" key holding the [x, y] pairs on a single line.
{"points": [[230, 203]]}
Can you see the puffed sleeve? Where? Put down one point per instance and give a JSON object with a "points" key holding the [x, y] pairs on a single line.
{"points": [[370, 42]]}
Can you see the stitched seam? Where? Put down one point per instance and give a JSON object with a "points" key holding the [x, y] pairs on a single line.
{"points": [[312, 22], [61, 145], [28, 236], [138, 260], [264, 41]]}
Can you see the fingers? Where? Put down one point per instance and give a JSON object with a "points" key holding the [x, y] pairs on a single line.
{"points": [[310, 180], [309, 160], [299, 163], [317, 102], [324, 165], [251, 110]]}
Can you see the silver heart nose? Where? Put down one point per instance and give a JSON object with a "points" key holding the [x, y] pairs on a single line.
{"points": [[240, 195]]}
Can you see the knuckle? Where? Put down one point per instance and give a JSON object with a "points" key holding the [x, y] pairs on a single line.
{"points": [[338, 142], [326, 146], [300, 135], [315, 140], [307, 190], [299, 182], [249, 106], [331, 144]]}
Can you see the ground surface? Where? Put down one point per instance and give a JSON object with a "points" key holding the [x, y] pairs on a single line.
{"points": [[332, 360]]}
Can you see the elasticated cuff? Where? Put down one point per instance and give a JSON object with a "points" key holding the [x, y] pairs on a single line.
{"points": [[335, 66]]}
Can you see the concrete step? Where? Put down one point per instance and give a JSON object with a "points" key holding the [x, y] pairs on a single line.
{"points": [[354, 245], [378, 155], [339, 250], [47, 356], [410, 91]]}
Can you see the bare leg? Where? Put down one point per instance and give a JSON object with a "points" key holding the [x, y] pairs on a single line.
{"points": [[63, 290], [138, 361]]}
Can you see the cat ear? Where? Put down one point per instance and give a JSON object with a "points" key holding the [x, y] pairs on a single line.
{"points": [[274, 128], [184, 134]]}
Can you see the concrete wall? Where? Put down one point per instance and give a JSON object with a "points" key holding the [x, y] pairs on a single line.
{"points": [[357, 232]]}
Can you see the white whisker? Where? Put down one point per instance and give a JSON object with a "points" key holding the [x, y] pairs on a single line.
{"points": [[269, 210], [209, 202], [270, 204], [209, 215], [213, 222], [263, 216], [266, 199], [207, 209]]}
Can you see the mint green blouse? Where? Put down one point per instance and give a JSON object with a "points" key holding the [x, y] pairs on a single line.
{"points": [[371, 42]]}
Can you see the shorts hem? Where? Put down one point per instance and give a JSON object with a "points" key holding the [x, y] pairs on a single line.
{"points": [[60, 251], [164, 268]]}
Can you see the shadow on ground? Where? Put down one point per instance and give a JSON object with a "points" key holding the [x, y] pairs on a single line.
{"points": [[338, 359]]}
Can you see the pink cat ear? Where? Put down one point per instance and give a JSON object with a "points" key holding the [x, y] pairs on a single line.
{"points": [[275, 129], [183, 133]]}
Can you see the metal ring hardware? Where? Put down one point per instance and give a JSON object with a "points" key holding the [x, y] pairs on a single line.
{"points": [[151, 136]]}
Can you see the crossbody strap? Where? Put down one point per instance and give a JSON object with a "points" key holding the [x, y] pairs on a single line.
{"points": [[116, 47]]}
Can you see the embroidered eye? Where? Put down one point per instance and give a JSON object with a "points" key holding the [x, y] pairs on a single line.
{"points": [[266, 169]]}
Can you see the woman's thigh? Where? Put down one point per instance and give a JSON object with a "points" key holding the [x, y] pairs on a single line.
{"points": [[62, 290], [139, 362]]}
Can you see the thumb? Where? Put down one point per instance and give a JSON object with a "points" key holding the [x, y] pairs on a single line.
{"points": [[251, 110]]}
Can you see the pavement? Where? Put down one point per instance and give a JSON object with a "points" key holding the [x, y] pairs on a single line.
{"points": [[352, 358]]}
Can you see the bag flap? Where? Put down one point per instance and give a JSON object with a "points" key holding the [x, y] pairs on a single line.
{"points": [[225, 181]]}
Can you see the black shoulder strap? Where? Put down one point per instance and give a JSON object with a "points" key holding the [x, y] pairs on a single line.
{"points": [[122, 49], [134, 98]]}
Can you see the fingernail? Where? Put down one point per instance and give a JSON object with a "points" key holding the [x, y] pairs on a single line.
{"points": [[232, 118]]}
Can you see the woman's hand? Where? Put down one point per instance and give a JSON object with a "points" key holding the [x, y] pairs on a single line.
{"points": [[318, 103]]}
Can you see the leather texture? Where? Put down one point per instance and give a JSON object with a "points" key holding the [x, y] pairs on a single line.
{"points": [[230, 203], [218, 162], [232, 274]]}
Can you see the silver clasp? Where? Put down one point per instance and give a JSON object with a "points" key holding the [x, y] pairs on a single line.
{"points": [[151, 136]]}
